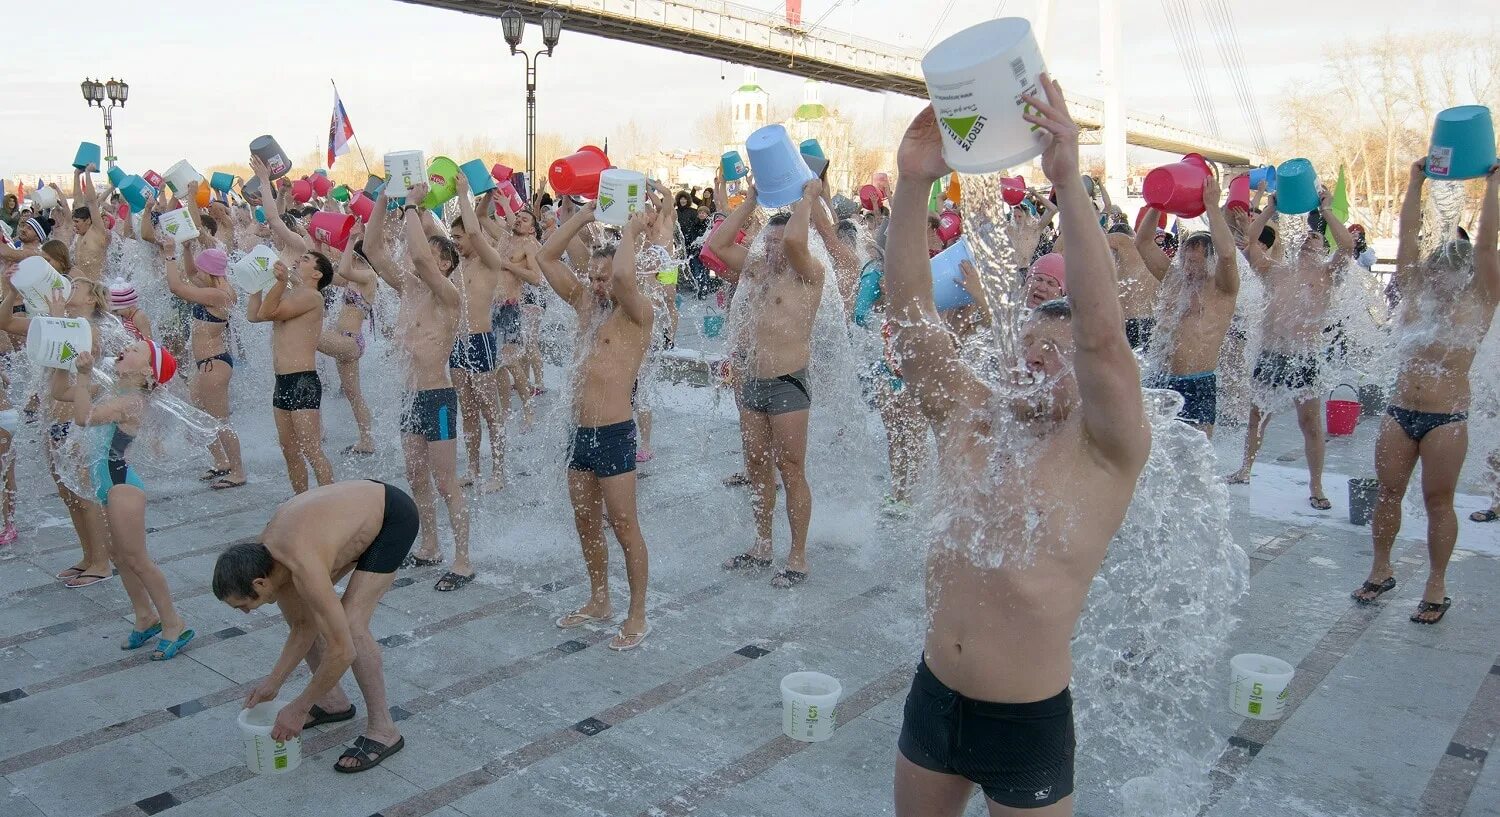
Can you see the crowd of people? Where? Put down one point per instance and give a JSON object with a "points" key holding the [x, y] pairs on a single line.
{"points": [[1102, 301]]}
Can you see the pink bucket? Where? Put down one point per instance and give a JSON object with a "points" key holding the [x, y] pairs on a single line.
{"points": [[302, 191], [331, 228], [1177, 188], [363, 207]]}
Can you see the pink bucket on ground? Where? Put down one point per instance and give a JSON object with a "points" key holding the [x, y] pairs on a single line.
{"points": [[1177, 188]]}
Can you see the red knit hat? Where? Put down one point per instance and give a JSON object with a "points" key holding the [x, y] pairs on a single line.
{"points": [[163, 364]]}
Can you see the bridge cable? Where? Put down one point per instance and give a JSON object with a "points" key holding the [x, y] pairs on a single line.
{"points": [[948, 9], [1178, 21], [1235, 54]]}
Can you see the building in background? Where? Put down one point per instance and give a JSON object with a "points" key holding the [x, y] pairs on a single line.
{"points": [[749, 106], [814, 120]]}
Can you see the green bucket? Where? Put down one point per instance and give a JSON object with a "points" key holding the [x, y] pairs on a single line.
{"points": [[442, 182], [341, 193]]}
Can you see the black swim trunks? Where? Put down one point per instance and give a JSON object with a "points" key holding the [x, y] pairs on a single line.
{"points": [[1200, 395], [1138, 331], [433, 414], [608, 451], [297, 391], [1021, 755], [777, 395], [1293, 372], [475, 353], [505, 320], [1418, 424], [398, 531]]}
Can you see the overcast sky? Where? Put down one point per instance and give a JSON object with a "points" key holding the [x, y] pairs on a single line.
{"points": [[204, 82]]}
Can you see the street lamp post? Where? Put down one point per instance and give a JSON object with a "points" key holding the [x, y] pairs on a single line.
{"points": [[514, 26], [94, 93]]}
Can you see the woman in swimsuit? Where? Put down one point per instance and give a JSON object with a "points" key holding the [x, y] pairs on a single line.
{"points": [[122, 302], [89, 300], [208, 294], [114, 423], [345, 342]]}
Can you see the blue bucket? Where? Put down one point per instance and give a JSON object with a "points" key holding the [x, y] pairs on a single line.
{"points": [[116, 176], [810, 147], [947, 280], [221, 182], [88, 154], [712, 325], [480, 180], [1463, 143], [260, 214], [780, 171], [1266, 174], [733, 166], [1297, 187], [135, 190]]}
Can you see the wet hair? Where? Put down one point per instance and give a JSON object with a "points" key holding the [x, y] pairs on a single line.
{"points": [[359, 250], [605, 251], [210, 224], [1201, 241], [325, 269], [237, 569], [98, 292], [1122, 228], [82, 213], [545, 200], [1268, 237], [1316, 224], [57, 252], [848, 231], [778, 220], [447, 251], [1055, 308], [1453, 254], [289, 221]]}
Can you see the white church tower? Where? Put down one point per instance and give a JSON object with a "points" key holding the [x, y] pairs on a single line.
{"points": [[749, 107]]}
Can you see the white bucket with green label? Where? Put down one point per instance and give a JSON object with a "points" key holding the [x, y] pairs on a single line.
{"points": [[263, 754], [36, 280], [177, 225], [1259, 686], [621, 194], [975, 80], [57, 342], [807, 705], [253, 273]]}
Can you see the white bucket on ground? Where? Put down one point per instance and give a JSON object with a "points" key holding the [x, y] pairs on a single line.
{"points": [[35, 279], [403, 169], [177, 225], [253, 273], [807, 705], [180, 175], [1259, 686], [262, 754], [621, 194], [975, 79], [57, 342]]}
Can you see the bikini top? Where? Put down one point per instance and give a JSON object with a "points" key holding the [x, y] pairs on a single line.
{"points": [[201, 313], [352, 297]]}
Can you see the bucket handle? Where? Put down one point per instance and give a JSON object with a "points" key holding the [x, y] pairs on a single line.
{"points": [[1344, 386]]}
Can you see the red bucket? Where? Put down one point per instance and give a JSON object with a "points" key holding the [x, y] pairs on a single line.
{"points": [[1161, 221], [331, 229], [321, 184], [578, 175], [1013, 190], [362, 207], [1343, 415], [1177, 188], [870, 198], [950, 226], [302, 191], [513, 201], [152, 178], [501, 172], [1239, 193]]}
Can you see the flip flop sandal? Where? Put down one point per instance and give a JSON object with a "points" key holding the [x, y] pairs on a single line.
{"points": [[93, 579], [625, 642], [139, 638], [787, 579], [1371, 587], [1484, 516], [69, 573], [578, 618], [368, 754], [212, 474], [167, 650], [317, 716], [736, 480], [1432, 607], [351, 451], [417, 561], [1320, 503], [452, 581], [745, 560], [225, 483]]}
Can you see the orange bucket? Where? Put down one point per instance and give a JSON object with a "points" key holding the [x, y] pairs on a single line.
{"points": [[205, 195], [578, 174], [1342, 415], [331, 229]]}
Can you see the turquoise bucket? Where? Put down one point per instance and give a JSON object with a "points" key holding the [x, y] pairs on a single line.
{"points": [[480, 180], [260, 215], [221, 182], [1296, 187], [712, 325], [733, 166], [810, 147], [1265, 174], [116, 176], [135, 190], [88, 154], [1463, 143]]}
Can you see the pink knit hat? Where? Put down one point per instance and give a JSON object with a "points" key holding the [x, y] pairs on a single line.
{"points": [[121, 295], [214, 262]]}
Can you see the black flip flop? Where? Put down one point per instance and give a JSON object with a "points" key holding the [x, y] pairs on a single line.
{"points": [[1487, 515], [415, 561], [318, 716], [1432, 607], [787, 579], [745, 560], [1320, 503], [225, 483], [212, 474], [369, 753], [452, 581], [1371, 587]]}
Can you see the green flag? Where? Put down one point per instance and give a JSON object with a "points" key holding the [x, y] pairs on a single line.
{"points": [[1339, 204], [935, 198]]}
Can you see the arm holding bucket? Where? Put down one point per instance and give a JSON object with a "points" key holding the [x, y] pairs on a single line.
{"points": [[1145, 243], [376, 249], [287, 241], [488, 255], [310, 578], [794, 238], [9, 320], [1227, 267], [75, 390], [212, 297], [85, 196], [1255, 252], [622, 284], [190, 203], [425, 263], [1343, 240], [722, 240], [562, 279], [1486, 253], [1409, 249], [299, 641]]}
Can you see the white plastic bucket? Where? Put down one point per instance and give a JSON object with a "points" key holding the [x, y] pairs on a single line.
{"points": [[780, 170], [253, 273], [948, 279], [35, 279], [180, 175], [403, 169], [621, 194], [262, 754], [1259, 686], [807, 705], [45, 198], [975, 79], [57, 342], [178, 225]]}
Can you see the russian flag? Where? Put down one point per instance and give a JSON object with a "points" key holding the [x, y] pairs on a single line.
{"points": [[340, 130]]}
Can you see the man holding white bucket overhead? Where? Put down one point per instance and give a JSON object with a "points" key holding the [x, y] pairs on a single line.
{"points": [[1007, 577]]}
